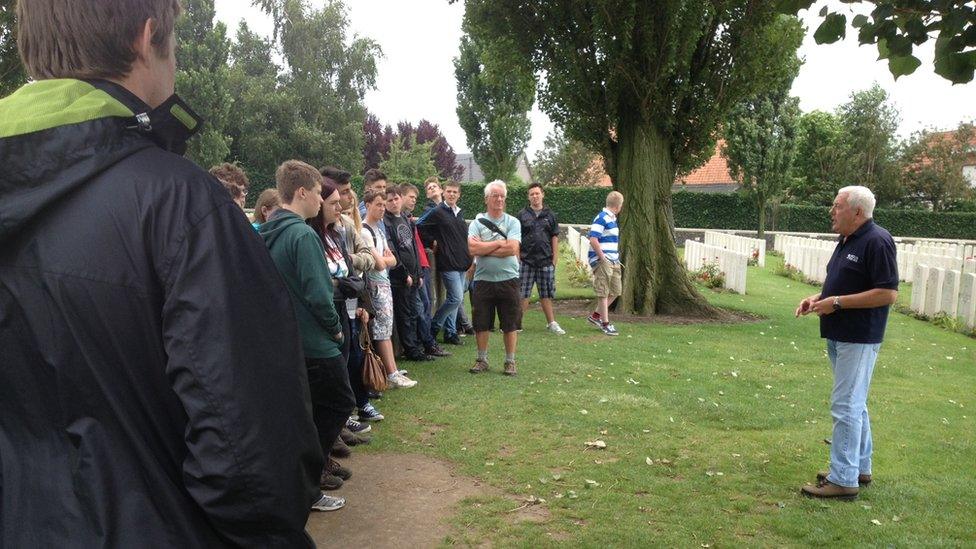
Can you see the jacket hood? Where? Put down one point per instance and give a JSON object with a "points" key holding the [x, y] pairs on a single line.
{"points": [[56, 135], [272, 229]]}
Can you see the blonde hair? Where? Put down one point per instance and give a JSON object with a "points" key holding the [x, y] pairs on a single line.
{"points": [[615, 199], [353, 212]]}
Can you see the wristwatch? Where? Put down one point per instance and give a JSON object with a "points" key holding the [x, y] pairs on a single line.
{"points": [[837, 306]]}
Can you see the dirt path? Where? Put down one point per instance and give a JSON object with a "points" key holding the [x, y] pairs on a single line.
{"points": [[394, 500]]}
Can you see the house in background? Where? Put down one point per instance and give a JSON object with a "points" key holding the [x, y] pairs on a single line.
{"points": [[712, 177], [473, 173]]}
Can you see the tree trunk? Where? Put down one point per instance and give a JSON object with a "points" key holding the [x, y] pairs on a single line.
{"points": [[655, 280], [761, 204]]}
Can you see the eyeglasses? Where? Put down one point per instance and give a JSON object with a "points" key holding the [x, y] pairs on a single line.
{"points": [[502, 196]]}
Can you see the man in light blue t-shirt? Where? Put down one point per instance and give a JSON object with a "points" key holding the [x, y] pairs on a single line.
{"points": [[494, 238]]}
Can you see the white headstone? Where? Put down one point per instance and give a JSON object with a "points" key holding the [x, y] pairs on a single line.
{"points": [[967, 300], [950, 293], [933, 291]]}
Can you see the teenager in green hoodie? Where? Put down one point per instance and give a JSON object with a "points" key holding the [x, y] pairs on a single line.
{"points": [[300, 257]]}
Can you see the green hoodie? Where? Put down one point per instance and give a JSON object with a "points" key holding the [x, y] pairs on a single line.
{"points": [[300, 257]]}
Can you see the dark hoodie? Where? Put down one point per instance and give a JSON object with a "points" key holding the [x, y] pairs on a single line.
{"points": [[449, 230], [152, 390], [298, 253]]}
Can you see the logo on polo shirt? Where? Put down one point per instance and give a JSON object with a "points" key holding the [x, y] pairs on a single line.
{"points": [[852, 258]]}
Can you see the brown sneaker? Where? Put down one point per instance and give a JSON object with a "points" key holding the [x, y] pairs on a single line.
{"points": [[329, 482], [509, 369], [340, 449], [479, 367], [333, 467], [862, 480], [829, 490]]}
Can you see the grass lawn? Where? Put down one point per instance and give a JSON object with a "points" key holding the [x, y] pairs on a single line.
{"points": [[710, 432]]}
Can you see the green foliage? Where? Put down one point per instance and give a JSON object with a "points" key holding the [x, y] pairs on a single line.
{"points": [[932, 167], [12, 74], [915, 223], [646, 85], [495, 92], [203, 79], [818, 160], [868, 145], [693, 210], [409, 161], [897, 26], [566, 162], [760, 135], [312, 107], [709, 275], [576, 272]]}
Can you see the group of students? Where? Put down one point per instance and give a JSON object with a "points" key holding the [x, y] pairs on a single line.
{"points": [[360, 277]]}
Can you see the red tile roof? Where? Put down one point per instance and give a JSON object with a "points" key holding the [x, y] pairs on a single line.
{"points": [[713, 172]]}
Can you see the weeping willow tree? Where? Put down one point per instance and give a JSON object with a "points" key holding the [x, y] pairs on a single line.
{"points": [[645, 84]]}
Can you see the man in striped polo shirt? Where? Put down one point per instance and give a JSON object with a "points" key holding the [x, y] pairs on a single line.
{"points": [[605, 261]]}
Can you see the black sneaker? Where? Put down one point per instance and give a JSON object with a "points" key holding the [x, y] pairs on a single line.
{"points": [[418, 357], [358, 428], [436, 351], [468, 330], [453, 340], [369, 413]]}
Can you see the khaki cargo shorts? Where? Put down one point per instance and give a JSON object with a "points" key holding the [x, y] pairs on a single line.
{"points": [[606, 279]]}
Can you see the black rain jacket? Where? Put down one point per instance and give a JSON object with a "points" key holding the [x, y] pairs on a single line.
{"points": [[152, 388], [441, 224]]}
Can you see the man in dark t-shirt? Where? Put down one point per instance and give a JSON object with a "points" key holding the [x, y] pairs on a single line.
{"points": [[539, 254], [861, 285]]}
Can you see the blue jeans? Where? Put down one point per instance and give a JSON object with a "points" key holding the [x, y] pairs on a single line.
{"points": [[446, 315], [424, 322], [850, 449]]}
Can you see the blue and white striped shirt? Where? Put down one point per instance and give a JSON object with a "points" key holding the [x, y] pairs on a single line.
{"points": [[604, 229]]}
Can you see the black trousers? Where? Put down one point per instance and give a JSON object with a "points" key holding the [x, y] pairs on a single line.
{"points": [[331, 396], [405, 315]]}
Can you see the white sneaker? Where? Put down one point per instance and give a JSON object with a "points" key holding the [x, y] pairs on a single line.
{"points": [[399, 380], [328, 503], [555, 328]]}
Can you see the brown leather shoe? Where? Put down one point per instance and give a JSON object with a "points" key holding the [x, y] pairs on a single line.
{"points": [[510, 369], [479, 367], [829, 490], [341, 449], [862, 480]]}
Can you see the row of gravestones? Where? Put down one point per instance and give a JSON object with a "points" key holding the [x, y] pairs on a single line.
{"points": [[752, 247], [811, 255], [731, 263], [951, 292]]}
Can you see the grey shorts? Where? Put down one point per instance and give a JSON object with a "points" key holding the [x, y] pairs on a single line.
{"points": [[381, 325]]}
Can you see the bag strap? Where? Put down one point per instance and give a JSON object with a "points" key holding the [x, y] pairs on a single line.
{"points": [[364, 340], [492, 227]]}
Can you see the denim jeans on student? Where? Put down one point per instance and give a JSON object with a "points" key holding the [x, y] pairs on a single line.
{"points": [[423, 311], [850, 449], [354, 364], [445, 317]]}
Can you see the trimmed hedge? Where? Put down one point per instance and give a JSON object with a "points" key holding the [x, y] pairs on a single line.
{"points": [[579, 205]]}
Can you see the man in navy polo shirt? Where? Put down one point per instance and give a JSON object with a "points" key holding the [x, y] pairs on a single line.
{"points": [[861, 284]]}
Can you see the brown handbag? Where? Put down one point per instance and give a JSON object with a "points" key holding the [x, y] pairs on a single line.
{"points": [[374, 374]]}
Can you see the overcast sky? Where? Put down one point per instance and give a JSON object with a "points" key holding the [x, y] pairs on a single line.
{"points": [[420, 38]]}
